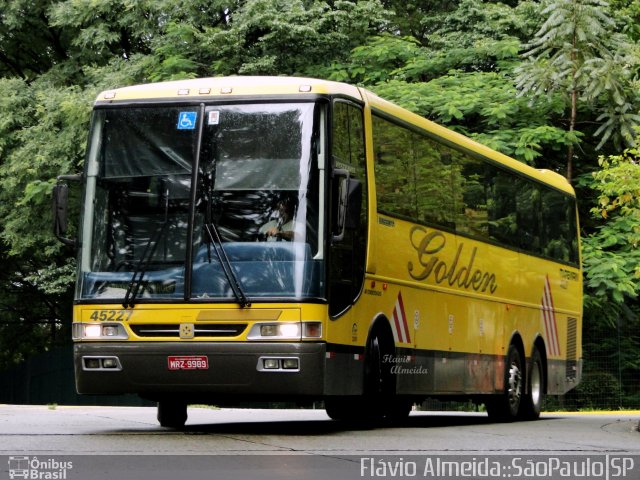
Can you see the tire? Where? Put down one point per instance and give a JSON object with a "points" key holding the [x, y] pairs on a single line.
{"points": [[532, 401], [378, 400], [399, 410], [341, 409], [172, 414], [380, 385], [506, 406]]}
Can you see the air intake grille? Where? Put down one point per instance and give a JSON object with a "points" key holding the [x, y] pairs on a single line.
{"points": [[572, 338], [172, 330]]}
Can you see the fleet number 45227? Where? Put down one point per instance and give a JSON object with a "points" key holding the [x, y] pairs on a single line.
{"points": [[111, 315]]}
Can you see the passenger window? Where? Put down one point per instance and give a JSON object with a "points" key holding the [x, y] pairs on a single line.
{"points": [[501, 206]]}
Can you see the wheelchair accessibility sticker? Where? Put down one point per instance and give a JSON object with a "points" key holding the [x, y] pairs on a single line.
{"points": [[187, 120]]}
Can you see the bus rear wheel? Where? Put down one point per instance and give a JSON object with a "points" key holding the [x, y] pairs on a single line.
{"points": [[172, 413], [506, 406], [532, 401]]}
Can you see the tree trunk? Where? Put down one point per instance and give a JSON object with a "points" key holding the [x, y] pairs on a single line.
{"points": [[572, 126]]}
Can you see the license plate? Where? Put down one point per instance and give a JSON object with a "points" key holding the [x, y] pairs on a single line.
{"points": [[190, 362]]}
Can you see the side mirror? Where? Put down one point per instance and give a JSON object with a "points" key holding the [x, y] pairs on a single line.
{"points": [[60, 205], [347, 203]]}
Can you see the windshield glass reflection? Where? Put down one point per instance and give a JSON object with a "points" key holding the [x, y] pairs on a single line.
{"points": [[257, 182]]}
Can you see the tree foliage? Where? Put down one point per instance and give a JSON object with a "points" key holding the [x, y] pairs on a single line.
{"points": [[459, 63], [578, 54], [612, 251]]}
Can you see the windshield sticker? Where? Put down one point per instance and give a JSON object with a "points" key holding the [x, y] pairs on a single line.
{"points": [[214, 117], [187, 120]]}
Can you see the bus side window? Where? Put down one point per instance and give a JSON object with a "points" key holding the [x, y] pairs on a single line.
{"points": [[529, 216], [414, 175], [435, 179], [501, 208], [395, 169], [471, 199], [559, 219]]}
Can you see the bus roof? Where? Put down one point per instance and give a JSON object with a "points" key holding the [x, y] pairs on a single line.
{"points": [[229, 86], [246, 86]]}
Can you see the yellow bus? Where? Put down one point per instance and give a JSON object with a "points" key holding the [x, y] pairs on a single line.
{"points": [[292, 239]]}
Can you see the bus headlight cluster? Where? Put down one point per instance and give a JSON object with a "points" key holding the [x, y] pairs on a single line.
{"points": [[286, 331], [99, 331]]}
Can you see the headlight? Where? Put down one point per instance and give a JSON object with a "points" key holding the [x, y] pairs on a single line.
{"points": [[275, 331], [99, 331], [286, 331]]}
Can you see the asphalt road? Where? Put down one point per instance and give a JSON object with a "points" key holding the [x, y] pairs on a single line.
{"points": [[113, 442]]}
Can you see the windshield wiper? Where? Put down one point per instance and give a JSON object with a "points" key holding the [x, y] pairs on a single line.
{"points": [[232, 278], [141, 268]]}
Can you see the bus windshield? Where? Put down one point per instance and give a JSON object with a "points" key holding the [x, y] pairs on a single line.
{"points": [[161, 179]]}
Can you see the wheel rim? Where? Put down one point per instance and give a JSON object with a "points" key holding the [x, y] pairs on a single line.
{"points": [[515, 386]]}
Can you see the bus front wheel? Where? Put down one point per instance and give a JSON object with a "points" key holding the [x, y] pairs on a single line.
{"points": [[172, 414], [379, 398], [379, 381]]}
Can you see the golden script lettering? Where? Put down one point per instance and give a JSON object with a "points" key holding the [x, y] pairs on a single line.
{"points": [[428, 244]]}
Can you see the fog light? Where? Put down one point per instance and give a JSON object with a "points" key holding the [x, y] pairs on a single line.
{"points": [[109, 363], [271, 363], [290, 363], [92, 363]]}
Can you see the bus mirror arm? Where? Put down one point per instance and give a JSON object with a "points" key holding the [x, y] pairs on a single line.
{"points": [[60, 205]]}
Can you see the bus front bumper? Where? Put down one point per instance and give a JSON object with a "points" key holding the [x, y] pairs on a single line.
{"points": [[198, 369]]}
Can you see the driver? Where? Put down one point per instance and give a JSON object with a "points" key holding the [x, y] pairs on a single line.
{"points": [[282, 226]]}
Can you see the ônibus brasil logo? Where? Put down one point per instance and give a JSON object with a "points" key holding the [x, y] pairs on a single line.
{"points": [[34, 469]]}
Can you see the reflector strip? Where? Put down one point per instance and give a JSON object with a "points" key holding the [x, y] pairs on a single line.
{"points": [[399, 325], [548, 318]]}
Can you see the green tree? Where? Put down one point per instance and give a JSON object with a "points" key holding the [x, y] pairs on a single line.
{"points": [[611, 257], [461, 74], [577, 54], [29, 44], [612, 251], [295, 37]]}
